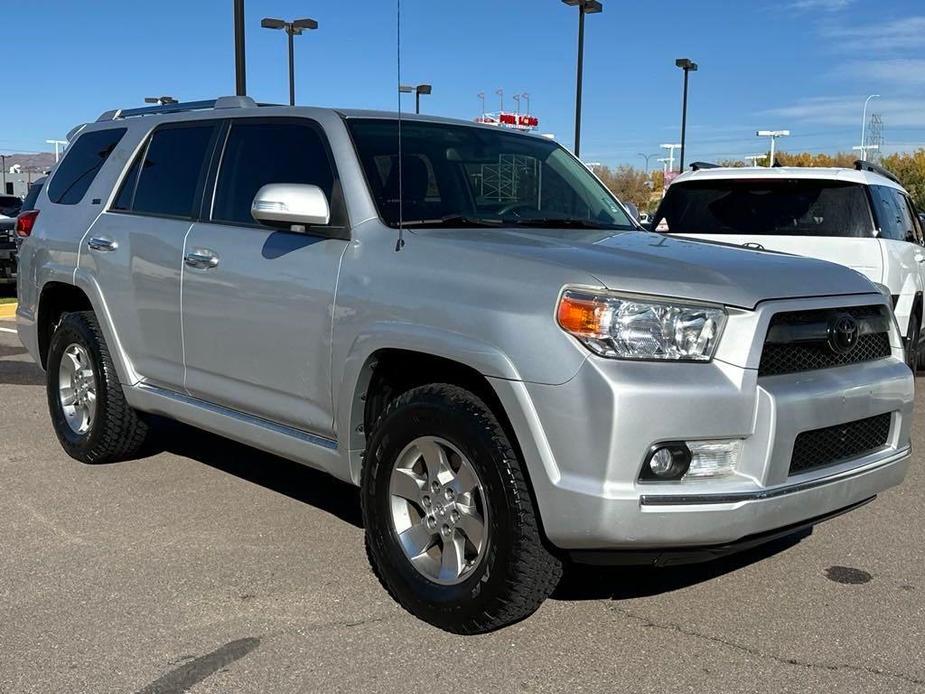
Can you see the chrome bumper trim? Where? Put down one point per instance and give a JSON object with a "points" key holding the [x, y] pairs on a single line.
{"points": [[770, 493]]}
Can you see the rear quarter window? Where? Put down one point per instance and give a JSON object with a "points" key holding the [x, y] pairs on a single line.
{"points": [[81, 164]]}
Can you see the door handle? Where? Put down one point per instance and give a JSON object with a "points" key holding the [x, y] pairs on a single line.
{"points": [[101, 243], [201, 259]]}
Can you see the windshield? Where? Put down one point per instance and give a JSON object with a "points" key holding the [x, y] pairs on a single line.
{"points": [[456, 175], [795, 207]]}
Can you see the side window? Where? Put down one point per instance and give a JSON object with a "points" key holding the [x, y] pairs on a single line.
{"points": [[172, 168], [123, 200], [889, 213], [80, 165], [915, 221], [266, 152]]}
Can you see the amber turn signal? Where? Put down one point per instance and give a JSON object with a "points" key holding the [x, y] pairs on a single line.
{"points": [[583, 315]]}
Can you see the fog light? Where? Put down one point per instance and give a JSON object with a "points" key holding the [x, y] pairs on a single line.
{"points": [[666, 461], [713, 458]]}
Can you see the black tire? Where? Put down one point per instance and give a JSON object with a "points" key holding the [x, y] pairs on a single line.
{"points": [[117, 431], [516, 573], [912, 343]]}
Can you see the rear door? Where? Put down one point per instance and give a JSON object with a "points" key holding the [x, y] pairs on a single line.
{"points": [[825, 219], [135, 249], [257, 318]]}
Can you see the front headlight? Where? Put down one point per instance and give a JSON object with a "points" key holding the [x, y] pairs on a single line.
{"points": [[624, 327]]}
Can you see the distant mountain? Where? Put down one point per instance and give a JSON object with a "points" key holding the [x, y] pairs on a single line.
{"points": [[36, 163]]}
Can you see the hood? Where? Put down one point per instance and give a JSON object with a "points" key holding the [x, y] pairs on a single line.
{"points": [[650, 263]]}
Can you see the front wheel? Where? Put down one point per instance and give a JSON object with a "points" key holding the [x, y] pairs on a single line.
{"points": [[451, 530]]}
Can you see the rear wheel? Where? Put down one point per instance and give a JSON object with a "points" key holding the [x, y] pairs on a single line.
{"points": [[451, 530], [88, 410]]}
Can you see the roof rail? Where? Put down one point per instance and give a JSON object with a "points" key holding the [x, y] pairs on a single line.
{"points": [[862, 165], [221, 102], [698, 165]]}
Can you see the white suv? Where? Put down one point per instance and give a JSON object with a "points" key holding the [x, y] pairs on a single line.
{"points": [[860, 217]]}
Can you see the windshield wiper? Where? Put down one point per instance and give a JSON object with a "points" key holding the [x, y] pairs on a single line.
{"points": [[569, 223], [453, 220]]}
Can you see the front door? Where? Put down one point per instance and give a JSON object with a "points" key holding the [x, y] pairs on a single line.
{"points": [[258, 301]]}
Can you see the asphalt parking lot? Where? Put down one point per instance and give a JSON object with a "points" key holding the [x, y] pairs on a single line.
{"points": [[210, 567]]}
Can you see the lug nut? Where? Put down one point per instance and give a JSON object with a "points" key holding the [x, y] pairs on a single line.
{"points": [[454, 516], [435, 486], [445, 531], [426, 501], [431, 522], [449, 494]]}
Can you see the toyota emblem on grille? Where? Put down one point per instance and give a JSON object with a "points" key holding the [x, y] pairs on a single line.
{"points": [[843, 333]]}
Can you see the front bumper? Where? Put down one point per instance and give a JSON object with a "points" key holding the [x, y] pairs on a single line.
{"points": [[586, 442]]}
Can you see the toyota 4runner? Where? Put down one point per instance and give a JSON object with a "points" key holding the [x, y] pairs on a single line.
{"points": [[464, 322]]}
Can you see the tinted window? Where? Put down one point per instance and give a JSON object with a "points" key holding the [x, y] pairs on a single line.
{"points": [[171, 170], [127, 191], [486, 176], [893, 214], [262, 153], [80, 165], [32, 196], [10, 205], [796, 207]]}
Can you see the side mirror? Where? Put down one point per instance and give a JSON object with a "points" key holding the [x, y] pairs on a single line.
{"points": [[291, 205]]}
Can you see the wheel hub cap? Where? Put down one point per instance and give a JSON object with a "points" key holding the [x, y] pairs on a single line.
{"points": [[77, 388], [438, 510]]}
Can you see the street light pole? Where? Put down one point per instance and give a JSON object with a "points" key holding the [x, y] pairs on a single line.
{"points": [[773, 134], [292, 29], [417, 90], [584, 7], [863, 146], [239, 66], [646, 157], [688, 66]]}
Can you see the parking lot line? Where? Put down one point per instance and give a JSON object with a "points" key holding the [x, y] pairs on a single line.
{"points": [[7, 330]]}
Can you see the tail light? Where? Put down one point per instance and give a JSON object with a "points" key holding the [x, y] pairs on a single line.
{"points": [[25, 222]]}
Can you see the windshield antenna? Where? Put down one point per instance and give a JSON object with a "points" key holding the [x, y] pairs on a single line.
{"points": [[399, 244]]}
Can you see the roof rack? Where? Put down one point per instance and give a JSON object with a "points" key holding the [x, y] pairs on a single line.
{"points": [[221, 102], [698, 165], [862, 165]]}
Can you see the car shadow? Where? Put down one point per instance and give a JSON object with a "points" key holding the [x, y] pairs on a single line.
{"points": [[294, 480], [19, 373], [582, 582]]}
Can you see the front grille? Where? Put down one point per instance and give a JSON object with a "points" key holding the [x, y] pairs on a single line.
{"points": [[799, 341], [820, 447]]}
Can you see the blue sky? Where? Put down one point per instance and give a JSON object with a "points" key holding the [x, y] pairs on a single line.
{"points": [[806, 65]]}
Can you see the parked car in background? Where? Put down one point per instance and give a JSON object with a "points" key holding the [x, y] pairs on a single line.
{"points": [[10, 206], [514, 375], [860, 217]]}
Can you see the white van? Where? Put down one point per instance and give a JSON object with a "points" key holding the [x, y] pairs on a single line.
{"points": [[860, 217]]}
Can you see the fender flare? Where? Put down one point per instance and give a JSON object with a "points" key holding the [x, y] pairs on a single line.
{"points": [[484, 358]]}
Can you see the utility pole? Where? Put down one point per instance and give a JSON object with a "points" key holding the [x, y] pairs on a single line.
{"points": [[240, 77], [3, 166], [773, 134]]}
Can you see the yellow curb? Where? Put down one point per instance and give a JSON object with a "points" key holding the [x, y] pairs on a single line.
{"points": [[7, 311]]}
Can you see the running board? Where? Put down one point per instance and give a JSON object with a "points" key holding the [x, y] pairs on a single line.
{"points": [[295, 444]]}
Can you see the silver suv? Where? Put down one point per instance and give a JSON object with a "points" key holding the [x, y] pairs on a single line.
{"points": [[465, 323]]}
